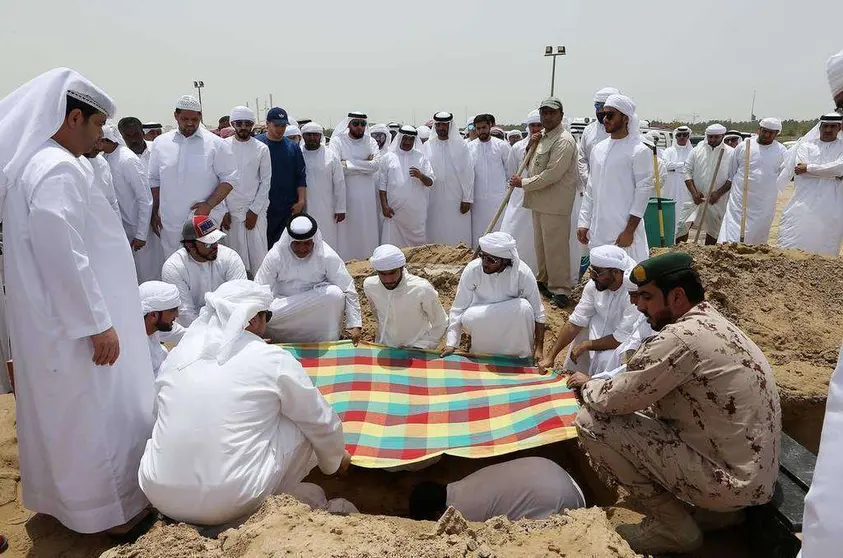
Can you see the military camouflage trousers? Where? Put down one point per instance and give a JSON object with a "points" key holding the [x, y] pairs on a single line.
{"points": [[647, 458]]}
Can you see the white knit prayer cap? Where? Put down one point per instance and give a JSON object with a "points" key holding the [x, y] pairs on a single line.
{"points": [[188, 102]]}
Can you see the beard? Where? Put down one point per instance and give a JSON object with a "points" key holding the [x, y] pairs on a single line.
{"points": [[244, 134], [660, 319], [163, 326]]}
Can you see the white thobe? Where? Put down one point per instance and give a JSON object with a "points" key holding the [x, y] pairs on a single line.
{"points": [[157, 351], [326, 195], [593, 134], [254, 171], [310, 294], [70, 275], [498, 311], [620, 356], [187, 171], [410, 315], [134, 198], [620, 185], [674, 188], [491, 175], [601, 313], [407, 196], [358, 234], [822, 532], [813, 219], [525, 488], [516, 220], [104, 180], [454, 185], [765, 163], [195, 279], [150, 258], [699, 167], [228, 436]]}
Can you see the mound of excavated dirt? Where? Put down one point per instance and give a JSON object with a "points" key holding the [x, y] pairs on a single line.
{"points": [[285, 527]]}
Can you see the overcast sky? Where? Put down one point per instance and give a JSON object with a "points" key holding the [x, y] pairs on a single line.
{"points": [[402, 60]]}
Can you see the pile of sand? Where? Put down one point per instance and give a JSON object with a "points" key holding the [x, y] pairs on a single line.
{"points": [[285, 527]]}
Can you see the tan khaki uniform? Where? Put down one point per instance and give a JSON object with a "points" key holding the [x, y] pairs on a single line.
{"points": [[549, 192], [696, 414]]}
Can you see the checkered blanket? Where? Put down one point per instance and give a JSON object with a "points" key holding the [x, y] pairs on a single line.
{"points": [[402, 406]]}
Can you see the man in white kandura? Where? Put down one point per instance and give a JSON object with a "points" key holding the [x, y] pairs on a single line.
{"points": [[312, 287], [407, 307], [200, 266], [603, 319], [102, 178], [358, 154], [189, 169], [131, 186], [766, 157], [84, 391], [326, 194], [382, 136], [594, 133], [498, 303], [517, 220], [238, 419], [620, 184], [249, 199], [699, 171], [822, 533], [674, 158], [491, 173], [813, 219], [404, 189], [449, 206], [160, 306]]}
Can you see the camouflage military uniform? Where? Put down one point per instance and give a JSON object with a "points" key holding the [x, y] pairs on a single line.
{"points": [[696, 414]]}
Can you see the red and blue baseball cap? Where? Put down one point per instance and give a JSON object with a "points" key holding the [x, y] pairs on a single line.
{"points": [[277, 116], [201, 228]]}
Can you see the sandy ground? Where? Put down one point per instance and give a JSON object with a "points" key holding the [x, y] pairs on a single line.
{"points": [[790, 304]]}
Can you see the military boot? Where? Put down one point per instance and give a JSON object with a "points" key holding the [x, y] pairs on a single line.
{"points": [[666, 528]]}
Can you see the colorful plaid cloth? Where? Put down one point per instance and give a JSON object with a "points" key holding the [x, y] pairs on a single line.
{"points": [[401, 406]]}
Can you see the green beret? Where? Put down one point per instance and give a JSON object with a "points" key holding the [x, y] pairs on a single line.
{"points": [[660, 266]]}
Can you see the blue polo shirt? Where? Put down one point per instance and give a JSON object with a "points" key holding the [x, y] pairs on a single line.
{"points": [[287, 174]]}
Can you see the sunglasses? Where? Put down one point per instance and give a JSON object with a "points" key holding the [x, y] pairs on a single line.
{"points": [[598, 106], [681, 135], [491, 259], [610, 115], [595, 273], [206, 245], [357, 123]]}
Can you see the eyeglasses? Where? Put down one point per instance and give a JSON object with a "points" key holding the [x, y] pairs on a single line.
{"points": [[357, 123], [610, 115], [595, 273], [494, 260]]}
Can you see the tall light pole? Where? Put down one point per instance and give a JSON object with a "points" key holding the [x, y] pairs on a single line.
{"points": [[548, 51], [199, 85]]}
